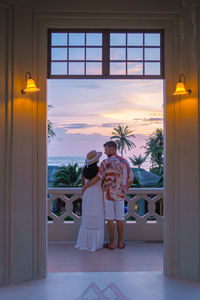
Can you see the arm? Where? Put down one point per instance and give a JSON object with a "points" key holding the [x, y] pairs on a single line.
{"points": [[90, 183]]}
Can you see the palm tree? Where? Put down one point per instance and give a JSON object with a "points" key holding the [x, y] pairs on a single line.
{"points": [[137, 160], [51, 132], [69, 175], [154, 148], [122, 135]]}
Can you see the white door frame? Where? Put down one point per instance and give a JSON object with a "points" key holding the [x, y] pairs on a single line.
{"points": [[108, 21]]}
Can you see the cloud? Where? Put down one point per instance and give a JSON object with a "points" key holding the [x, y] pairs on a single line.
{"points": [[147, 86], [154, 119], [63, 83], [111, 124], [150, 120], [77, 126], [79, 144], [97, 106], [86, 85], [77, 101], [75, 144], [85, 125], [136, 69]]}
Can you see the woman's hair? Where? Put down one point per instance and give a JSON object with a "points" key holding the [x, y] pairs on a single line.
{"points": [[90, 171]]}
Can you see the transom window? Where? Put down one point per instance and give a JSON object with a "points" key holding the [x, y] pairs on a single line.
{"points": [[105, 54]]}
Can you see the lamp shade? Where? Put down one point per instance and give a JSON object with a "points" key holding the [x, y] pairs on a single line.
{"points": [[180, 87], [30, 85]]}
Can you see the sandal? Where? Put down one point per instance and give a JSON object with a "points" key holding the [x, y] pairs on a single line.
{"points": [[107, 246], [122, 247]]}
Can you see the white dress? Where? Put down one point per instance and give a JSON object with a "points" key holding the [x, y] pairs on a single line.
{"points": [[91, 232]]}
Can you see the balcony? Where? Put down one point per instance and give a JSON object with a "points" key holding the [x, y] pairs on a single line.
{"points": [[143, 223], [135, 257], [143, 214]]}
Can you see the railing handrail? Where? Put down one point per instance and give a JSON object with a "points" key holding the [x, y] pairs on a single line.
{"points": [[143, 219], [135, 208], [77, 190]]}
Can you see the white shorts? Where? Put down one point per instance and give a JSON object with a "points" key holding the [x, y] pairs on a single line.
{"points": [[114, 210]]}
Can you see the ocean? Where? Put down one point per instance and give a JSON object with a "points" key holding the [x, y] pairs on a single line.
{"points": [[65, 160]]}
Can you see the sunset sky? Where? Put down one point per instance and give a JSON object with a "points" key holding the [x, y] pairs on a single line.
{"points": [[84, 112]]}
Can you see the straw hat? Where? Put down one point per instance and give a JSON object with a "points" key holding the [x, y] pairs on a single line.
{"points": [[92, 157]]}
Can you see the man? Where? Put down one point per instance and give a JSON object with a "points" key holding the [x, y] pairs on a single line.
{"points": [[117, 177]]}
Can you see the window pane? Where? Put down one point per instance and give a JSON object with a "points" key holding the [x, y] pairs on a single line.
{"points": [[117, 68], [93, 68], [76, 68], [76, 39], [59, 68], [135, 39], [135, 68], [76, 53], [118, 39], [94, 39], [59, 39], [152, 53], [135, 54], [117, 54], [59, 53], [152, 68], [152, 39], [94, 53], [126, 53]]}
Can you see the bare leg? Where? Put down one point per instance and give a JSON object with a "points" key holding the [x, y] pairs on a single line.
{"points": [[111, 231], [120, 231]]}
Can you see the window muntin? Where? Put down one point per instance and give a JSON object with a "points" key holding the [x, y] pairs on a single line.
{"points": [[143, 48], [105, 54], [75, 53]]}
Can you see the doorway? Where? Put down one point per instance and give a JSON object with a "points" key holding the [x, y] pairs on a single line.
{"points": [[78, 77], [102, 107]]}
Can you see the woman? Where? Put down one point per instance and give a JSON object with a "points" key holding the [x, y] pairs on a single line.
{"points": [[91, 233]]}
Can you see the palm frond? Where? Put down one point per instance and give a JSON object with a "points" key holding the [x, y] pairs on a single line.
{"points": [[69, 175], [122, 135]]}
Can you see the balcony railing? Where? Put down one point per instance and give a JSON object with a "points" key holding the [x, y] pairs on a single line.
{"points": [[143, 214]]}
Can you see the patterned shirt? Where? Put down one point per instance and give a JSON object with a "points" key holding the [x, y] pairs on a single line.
{"points": [[116, 173]]}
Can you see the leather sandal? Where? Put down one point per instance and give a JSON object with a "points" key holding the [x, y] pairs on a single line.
{"points": [[107, 246], [122, 247]]}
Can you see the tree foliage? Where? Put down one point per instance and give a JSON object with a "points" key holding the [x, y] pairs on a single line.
{"points": [[154, 149], [51, 132], [122, 136], [137, 160], [69, 175]]}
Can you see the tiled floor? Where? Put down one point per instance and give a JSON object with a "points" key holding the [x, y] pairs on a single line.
{"points": [[104, 285], [134, 273], [136, 256]]}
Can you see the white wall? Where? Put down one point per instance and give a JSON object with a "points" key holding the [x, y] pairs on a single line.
{"points": [[25, 243]]}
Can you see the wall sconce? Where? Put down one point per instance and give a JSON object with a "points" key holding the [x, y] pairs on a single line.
{"points": [[180, 87], [30, 85]]}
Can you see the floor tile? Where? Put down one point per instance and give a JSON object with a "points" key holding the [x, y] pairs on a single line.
{"points": [[136, 256]]}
